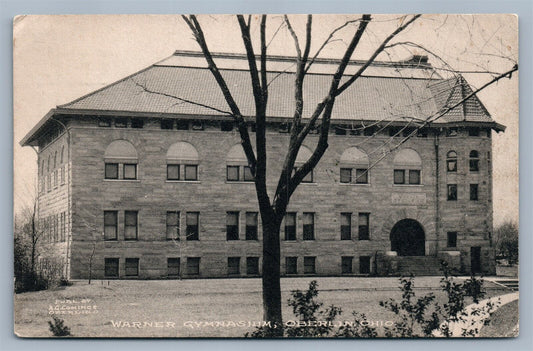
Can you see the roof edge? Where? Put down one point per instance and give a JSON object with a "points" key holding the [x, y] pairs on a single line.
{"points": [[27, 138], [415, 61]]}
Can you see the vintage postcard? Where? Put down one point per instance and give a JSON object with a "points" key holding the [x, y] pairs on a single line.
{"points": [[337, 176]]}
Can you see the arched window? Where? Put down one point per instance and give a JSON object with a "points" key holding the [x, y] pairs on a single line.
{"points": [[55, 160], [303, 155], [182, 162], [62, 159], [407, 167], [121, 160], [451, 161], [237, 168], [48, 165], [474, 161], [354, 166]]}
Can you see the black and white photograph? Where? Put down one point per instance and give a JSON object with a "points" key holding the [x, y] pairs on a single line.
{"points": [[266, 176]]}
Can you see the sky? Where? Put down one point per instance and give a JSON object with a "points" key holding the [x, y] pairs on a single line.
{"points": [[60, 58]]}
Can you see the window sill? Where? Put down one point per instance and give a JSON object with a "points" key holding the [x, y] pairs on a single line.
{"points": [[122, 180], [183, 181], [355, 184], [239, 182], [408, 185]]}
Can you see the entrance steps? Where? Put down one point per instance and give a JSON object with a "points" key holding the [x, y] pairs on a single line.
{"points": [[419, 265]]}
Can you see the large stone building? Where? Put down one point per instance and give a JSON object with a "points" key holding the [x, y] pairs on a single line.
{"points": [[135, 183]]}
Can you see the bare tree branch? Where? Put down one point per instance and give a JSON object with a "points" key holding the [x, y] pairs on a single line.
{"points": [[368, 62], [195, 27]]}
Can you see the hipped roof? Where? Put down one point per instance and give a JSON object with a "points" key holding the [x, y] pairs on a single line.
{"points": [[387, 92]]}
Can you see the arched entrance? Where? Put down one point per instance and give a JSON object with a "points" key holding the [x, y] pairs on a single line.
{"points": [[408, 238]]}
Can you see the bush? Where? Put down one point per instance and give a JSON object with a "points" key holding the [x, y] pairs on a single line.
{"points": [[58, 327], [416, 316], [425, 317], [313, 321]]}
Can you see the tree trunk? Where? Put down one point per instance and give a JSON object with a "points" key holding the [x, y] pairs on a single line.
{"points": [[271, 276]]}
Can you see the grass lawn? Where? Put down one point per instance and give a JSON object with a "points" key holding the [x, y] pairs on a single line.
{"points": [[502, 322], [163, 308]]}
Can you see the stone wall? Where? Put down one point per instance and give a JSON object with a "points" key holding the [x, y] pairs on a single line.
{"points": [[212, 196]]}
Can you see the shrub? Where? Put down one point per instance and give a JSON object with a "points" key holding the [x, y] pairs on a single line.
{"points": [[314, 321], [58, 327], [426, 317]]}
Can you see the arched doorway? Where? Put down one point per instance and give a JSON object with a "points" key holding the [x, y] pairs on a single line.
{"points": [[408, 238]]}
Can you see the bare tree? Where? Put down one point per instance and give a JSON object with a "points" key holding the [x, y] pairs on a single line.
{"points": [[273, 208], [29, 233]]}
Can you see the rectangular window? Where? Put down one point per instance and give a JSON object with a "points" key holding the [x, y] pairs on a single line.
{"points": [[191, 172], [369, 131], [364, 232], [173, 172], [104, 122], [308, 178], [167, 123], [55, 178], [364, 264], [248, 177], [473, 192], [62, 175], [130, 225], [111, 267], [309, 265], [232, 226], [137, 123], [452, 239], [193, 265], [394, 131], [452, 192], [291, 265], [132, 267], [251, 225], [346, 175], [232, 173], [451, 132], [308, 226], [340, 130], [474, 165], [422, 133], [472, 131], [197, 125], [121, 122], [252, 265], [182, 125], [451, 165], [173, 267], [130, 171], [173, 225], [346, 226], [226, 126], [290, 226], [110, 225], [346, 264], [284, 128], [399, 176], [361, 176], [414, 176], [111, 171], [234, 265], [192, 225]]}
